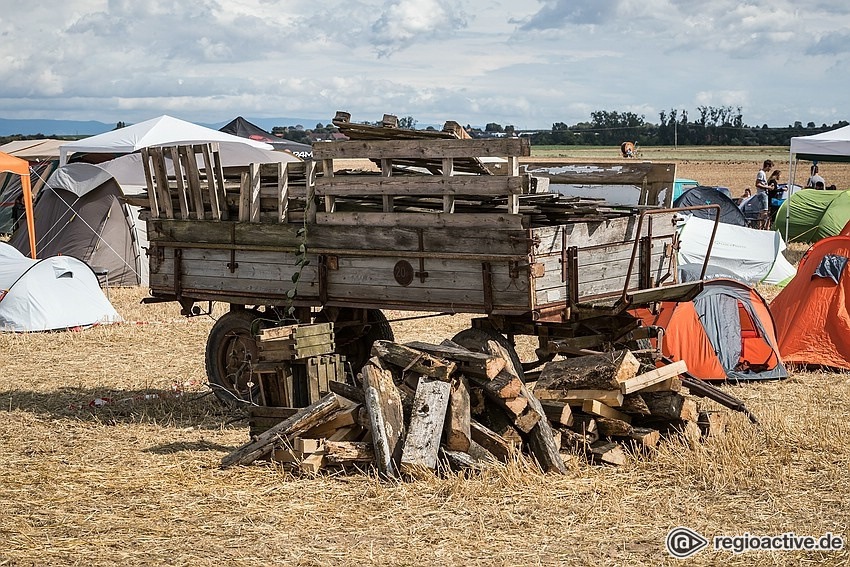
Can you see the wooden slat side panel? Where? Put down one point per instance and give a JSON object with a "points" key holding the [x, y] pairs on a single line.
{"points": [[423, 185], [585, 234], [433, 149]]}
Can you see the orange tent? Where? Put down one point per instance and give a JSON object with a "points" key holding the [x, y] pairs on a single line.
{"points": [[812, 319], [726, 332], [22, 167]]}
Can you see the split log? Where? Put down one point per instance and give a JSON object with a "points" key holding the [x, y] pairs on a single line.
{"points": [[575, 441], [299, 422], [652, 377], [613, 427], [669, 385], [597, 408], [469, 362], [602, 371], [645, 436], [342, 419], [634, 404], [422, 443], [610, 453], [499, 422], [386, 416], [504, 385], [528, 419], [342, 452], [458, 416], [557, 412], [492, 442], [413, 360], [665, 405], [347, 391]]}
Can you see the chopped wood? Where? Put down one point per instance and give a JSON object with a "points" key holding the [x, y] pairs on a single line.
{"points": [[610, 453], [422, 443], [613, 427], [469, 362], [414, 360], [301, 421], [689, 412], [652, 377], [347, 391], [458, 460], [494, 443], [458, 416], [599, 371], [341, 452], [503, 385], [574, 440], [665, 405], [575, 397], [342, 419], [634, 404], [645, 436], [598, 408], [386, 416], [557, 412], [669, 385], [499, 422], [528, 419]]}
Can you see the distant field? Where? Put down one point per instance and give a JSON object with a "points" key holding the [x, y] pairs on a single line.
{"points": [[711, 153]]}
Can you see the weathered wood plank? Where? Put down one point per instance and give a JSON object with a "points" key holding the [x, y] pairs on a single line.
{"points": [[422, 185], [599, 409], [498, 221], [422, 442], [386, 417], [414, 360], [299, 422], [458, 416], [430, 149], [474, 363], [652, 377]]}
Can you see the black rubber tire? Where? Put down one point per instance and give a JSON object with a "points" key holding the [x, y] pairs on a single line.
{"points": [[476, 340], [231, 351], [355, 343]]}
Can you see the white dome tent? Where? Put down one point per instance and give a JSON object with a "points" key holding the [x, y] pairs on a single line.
{"points": [[49, 294]]}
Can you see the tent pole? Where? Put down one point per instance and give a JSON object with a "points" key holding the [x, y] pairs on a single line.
{"points": [[792, 170], [25, 185]]}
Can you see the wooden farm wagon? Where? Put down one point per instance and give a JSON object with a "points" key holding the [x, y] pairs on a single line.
{"points": [[440, 224]]}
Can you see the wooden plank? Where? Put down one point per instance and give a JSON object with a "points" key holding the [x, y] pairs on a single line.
{"points": [[497, 221], [422, 443], [458, 416], [218, 172], [189, 165], [430, 149], [613, 427], [299, 422], [182, 196], [161, 179], [419, 185], [386, 418], [668, 385], [254, 207], [595, 407], [282, 192], [413, 360], [245, 197], [212, 190], [152, 196], [612, 398], [652, 377], [492, 442], [347, 391], [469, 362], [342, 452], [556, 412]]}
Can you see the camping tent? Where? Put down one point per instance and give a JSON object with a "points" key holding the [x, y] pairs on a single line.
{"points": [[753, 255], [833, 145], [726, 332], [244, 129], [80, 213], [49, 294], [702, 195], [814, 215], [43, 158], [812, 313], [162, 131], [21, 168]]}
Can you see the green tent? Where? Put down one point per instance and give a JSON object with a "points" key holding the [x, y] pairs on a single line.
{"points": [[814, 215]]}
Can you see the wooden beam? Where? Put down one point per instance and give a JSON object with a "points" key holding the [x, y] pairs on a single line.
{"points": [[458, 417], [492, 442], [423, 149], [413, 360], [597, 408], [469, 362], [652, 377], [386, 417], [301, 421], [422, 442]]}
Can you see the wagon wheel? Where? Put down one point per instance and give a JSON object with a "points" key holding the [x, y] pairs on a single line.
{"points": [[354, 332], [476, 340], [230, 354]]}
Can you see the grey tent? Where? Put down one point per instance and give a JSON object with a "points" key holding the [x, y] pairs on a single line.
{"points": [[704, 195], [244, 129], [80, 213]]}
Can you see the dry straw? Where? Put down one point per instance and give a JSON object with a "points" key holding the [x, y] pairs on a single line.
{"points": [[136, 481]]}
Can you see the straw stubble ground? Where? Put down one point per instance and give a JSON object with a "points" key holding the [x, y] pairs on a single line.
{"points": [[136, 481]]}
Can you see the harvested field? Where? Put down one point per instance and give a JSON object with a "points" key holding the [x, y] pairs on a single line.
{"points": [[111, 445]]}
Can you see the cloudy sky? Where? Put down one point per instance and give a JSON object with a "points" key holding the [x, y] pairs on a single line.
{"points": [[527, 63]]}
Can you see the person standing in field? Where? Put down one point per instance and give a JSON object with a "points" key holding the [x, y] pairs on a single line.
{"points": [[762, 187], [815, 177]]}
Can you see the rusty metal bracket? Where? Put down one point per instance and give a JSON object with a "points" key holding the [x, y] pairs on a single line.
{"points": [[323, 278], [421, 274], [487, 274], [232, 265], [572, 275], [178, 269]]}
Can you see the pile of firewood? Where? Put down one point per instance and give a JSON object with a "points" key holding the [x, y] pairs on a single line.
{"points": [[424, 406]]}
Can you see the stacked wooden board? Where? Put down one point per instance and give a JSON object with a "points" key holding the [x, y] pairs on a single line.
{"points": [[421, 406]]}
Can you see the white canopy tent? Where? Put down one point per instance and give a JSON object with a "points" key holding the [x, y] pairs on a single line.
{"points": [[163, 131], [833, 145]]}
